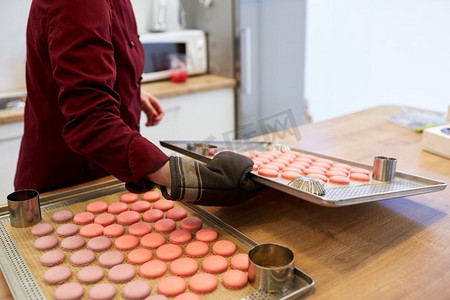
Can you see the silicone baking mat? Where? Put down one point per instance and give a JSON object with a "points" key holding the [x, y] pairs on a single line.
{"points": [[24, 273], [335, 195]]}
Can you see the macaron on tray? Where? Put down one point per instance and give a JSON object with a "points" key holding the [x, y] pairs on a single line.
{"points": [[320, 179], [130, 246]]}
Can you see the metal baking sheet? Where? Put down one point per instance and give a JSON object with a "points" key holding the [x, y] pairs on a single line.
{"points": [[23, 284], [335, 195]]}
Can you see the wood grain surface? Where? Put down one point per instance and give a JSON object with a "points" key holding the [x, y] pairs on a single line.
{"points": [[391, 249]]}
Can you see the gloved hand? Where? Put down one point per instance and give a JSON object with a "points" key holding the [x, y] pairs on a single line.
{"points": [[223, 181]]}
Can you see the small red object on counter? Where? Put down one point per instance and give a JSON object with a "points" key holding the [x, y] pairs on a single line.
{"points": [[178, 75]]}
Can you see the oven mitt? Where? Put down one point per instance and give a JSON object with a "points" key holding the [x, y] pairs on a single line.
{"points": [[223, 181]]}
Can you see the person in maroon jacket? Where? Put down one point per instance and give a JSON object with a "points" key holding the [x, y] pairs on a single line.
{"points": [[83, 69]]}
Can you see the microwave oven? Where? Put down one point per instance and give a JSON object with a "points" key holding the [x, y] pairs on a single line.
{"points": [[159, 47]]}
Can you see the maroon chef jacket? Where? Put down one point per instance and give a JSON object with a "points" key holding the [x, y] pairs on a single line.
{"points": [[83, 68]]}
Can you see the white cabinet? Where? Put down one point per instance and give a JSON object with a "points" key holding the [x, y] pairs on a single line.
{"points": [[10, 138], [200, 116]]}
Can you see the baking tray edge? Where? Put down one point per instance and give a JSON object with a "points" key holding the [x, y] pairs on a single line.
{"points": [[319, 200], [12, 261]]}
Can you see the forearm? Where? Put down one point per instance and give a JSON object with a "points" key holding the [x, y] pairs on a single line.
{"points": [[162, 176]]}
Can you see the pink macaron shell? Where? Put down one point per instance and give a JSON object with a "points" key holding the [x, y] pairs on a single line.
{"points": [[117, 208], [152, 240], [105, 219], [139, 256], [153, 269], [126, 242], [267, 172], [191, 223], [71, 243], [97, 207], [234, 279], [141, 206], [69, 291], [110, 259], [321, 177], [165, 225], [140, 229], [102, 291], [240, 262], [62, 216], [359, 170], [310, 156], [339, 180], [57, 275], [305, 159], [330, 173], [169, 252], [322, 164], [153, 215], [176, 213], [52, 258], [83, 218], [184, 267], [138, 289], [203, 283], [342, 165], [113, 230], [289, 175], [163, 204], [129, 198], [324, 160], [45, 242], [215, 264], [224, 248], [82, 257], [171, 286], [343, 170], [180, 236], [314, 170], [156, 297], [151, 196], [272, 166], [90, 274], [197, 249], [187, 296], [359, 177], [292, 169], [99, 243], [42, 229], [128, 217], [206, 235], [67, 229], [121, 273], [91, 230]]}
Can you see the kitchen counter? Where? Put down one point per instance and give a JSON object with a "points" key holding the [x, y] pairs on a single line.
{"points": [[391, 249], [160, 89]]}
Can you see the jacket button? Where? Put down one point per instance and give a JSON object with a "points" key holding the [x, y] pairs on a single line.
{"points": [[131, 44]]}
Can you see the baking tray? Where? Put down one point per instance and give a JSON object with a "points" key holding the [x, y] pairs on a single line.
{"points": [[24, 285], [335, 195]]}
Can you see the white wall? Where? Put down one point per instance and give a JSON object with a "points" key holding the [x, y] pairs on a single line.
{"points": [[13, 20], [361, 53]]}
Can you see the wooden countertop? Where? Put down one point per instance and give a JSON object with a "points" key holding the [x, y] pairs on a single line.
{"points": [[391, 249], [160, 89]]}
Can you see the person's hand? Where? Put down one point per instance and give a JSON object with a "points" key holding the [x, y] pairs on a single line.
{"points": [[221, 182], [152, 108]]}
